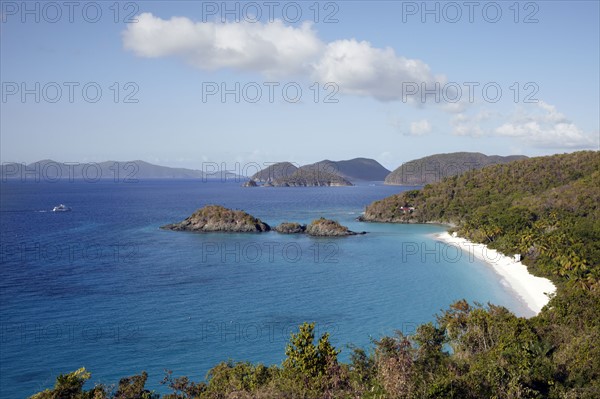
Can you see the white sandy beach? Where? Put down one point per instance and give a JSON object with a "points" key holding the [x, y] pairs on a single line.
{"points": [[532, 290]]}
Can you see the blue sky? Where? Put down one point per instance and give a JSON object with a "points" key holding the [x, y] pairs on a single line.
{"points": [[373, 59]]}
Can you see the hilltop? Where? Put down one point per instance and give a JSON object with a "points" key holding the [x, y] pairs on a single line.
{"points": [[357, 169], [273, 172], [434, 168]]}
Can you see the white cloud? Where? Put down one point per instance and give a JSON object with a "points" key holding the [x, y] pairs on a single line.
{"points": [[361, 69], [276, 50], [272, 49], [465, 125], [545, 127], [420, 128], [455, 107]]}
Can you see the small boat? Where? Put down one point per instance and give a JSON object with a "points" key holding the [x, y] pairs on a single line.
{"points": [[61, 208]]}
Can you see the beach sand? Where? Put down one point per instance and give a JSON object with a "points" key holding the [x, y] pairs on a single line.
{"points": [[532, 290]]}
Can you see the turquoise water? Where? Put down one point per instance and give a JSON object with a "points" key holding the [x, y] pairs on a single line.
{"points": [[103, 287]]}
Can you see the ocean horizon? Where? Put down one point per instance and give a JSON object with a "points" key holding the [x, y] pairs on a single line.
{"points": [[103, 287]]}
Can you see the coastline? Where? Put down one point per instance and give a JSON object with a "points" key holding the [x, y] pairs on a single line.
{"points": [[530, 289]]}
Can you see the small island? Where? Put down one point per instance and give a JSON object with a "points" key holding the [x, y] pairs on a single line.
{"points": [[290, 228], [216, 218], [317, 228]]}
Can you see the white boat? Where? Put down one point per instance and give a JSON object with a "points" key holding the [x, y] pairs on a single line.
{"points": [[61, 208]]}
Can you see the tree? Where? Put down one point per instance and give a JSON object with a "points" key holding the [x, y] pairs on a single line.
{"points": [[306, 358]]}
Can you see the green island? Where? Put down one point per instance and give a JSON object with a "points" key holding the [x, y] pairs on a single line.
{"points": [[547, 209]]}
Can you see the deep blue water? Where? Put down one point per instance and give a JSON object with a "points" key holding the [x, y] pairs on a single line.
{"points": [[103, 287]]}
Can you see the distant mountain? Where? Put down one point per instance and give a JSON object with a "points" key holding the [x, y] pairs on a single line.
{"points": [[276, 171], [434, 168], [49, 170], [323, 173], [357, 169], [309, 177]]}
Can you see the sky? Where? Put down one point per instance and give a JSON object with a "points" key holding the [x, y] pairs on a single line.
{"points": [[185, 83]]}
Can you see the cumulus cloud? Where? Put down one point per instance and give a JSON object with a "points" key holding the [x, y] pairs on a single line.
{"points": [[420, 128], [465, 125], [361, 69], [540, 125], [276, 50], [545, 127], [272, 49]]}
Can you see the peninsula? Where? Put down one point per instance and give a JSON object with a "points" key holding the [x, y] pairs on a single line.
{"points": [[526, 208]]}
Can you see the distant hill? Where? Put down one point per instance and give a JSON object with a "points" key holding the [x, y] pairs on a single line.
{"points": [[276, 171], [49, 170], [357, 169], [309, 177], [434, 168], [323, 173]]}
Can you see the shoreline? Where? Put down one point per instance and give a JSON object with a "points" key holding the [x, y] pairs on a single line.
{"points": [[530, 289]]}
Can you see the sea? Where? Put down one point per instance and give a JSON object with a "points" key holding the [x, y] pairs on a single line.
{"points": [[103, 287]]}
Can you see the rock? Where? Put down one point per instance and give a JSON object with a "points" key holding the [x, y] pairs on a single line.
{"points": [[327, 228], [250, 183], [215, 218], [290, 228]]}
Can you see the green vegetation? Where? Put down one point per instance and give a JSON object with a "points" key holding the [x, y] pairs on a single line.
{"points": [[548, 210]]}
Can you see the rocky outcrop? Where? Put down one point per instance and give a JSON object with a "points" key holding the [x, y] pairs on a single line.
{"points": [[215, 218], [250, 183], [290, 228], [328, 228]]}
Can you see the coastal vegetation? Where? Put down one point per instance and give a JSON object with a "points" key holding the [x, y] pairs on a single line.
{"points": [[546, 209]]}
